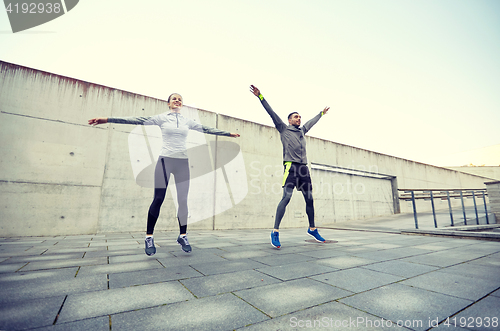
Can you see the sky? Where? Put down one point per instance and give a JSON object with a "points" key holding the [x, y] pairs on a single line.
{"points": [[418, 80]]}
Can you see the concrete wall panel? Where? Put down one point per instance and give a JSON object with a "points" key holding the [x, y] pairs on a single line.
{"points": [[35, 209], [46, 151]]}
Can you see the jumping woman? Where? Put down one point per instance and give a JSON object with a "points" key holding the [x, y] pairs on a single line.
{"points": [[172, 160]]}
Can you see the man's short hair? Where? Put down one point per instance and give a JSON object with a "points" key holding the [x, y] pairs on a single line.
{"points": [[290, 115]]}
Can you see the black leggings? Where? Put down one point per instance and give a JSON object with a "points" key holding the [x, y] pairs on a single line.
{"points": [[287, 195], [180, 169]]}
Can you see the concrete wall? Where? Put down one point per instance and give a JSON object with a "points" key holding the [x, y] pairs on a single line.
{"points": [[60, 176], [494, 196], [483, 171]]}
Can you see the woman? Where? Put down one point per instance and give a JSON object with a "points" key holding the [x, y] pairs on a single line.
{"points": [[172, 160]]}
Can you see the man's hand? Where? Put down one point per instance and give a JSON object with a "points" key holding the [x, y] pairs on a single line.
{"points": [[98, 120], [254, 90], [325, 110], [234, 135]]}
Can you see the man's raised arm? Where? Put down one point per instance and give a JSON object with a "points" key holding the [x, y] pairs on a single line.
{"points": [[309, 124], [278, 123]]}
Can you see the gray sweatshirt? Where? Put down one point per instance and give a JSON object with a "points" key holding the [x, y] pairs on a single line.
{"points": [[174, 130], [292, 137]]}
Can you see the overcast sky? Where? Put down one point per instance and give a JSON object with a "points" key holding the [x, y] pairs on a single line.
{"points": [[414, 79]]}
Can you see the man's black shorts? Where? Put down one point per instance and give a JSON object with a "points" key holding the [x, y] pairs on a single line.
{"points": [[297, 175]]}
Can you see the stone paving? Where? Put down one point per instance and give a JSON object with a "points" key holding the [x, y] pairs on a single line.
{"points": [[235, 280]]}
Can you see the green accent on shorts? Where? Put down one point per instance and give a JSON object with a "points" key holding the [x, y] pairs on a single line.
{"points": [[288, 165]]}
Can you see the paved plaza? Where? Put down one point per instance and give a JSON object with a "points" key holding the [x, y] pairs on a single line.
{"points": [[234, 279]]}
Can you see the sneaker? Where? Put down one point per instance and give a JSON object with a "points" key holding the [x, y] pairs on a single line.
{"points": [[275, 239], [150, 246], [183, 241], [316, 235]]}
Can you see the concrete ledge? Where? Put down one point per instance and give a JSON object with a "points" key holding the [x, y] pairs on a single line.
{"points": [[471, 220], [473, 227], [457, 233]]}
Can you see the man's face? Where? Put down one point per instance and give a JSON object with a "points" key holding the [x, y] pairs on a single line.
{"points": [[294, 120]]}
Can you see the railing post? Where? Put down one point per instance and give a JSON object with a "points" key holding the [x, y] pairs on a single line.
{"points": [[475, 207], [395, 195], [433, 210], [485, 209], [414, 209], [463, 207], [449, 207]]}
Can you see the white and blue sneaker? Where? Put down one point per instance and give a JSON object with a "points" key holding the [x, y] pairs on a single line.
{"points": [[150, 246], [183, 241], [316, 235], [275, 239]]}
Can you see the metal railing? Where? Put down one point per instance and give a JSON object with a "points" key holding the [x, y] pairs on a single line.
{"points": [[428, 194]]}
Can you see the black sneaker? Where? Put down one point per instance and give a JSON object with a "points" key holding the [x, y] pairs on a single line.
{"points": [[150, 246], [183, 241]]}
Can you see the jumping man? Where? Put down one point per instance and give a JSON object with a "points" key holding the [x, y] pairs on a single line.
{"points": [[296, 172]]}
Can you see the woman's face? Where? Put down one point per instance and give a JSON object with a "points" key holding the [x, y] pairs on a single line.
{"points": [[175, 101]]}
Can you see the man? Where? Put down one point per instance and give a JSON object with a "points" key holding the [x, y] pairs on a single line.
{"points": [[296, 172]]}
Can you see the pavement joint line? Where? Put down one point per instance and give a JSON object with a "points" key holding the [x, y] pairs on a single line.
{"points": [[399, 258], [179, 281], [433, 291], [313, 306], [424, 273], [127, 311], [248, 303], [451, 265], [196, 271], [364, 311], [199, 271], [281, 280], [356, 293], [477, 258], [161, 263], [60, 309], [22, 267], [473, 303]]}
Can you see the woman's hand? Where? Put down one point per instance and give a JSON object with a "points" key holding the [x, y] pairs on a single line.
{"points": [[234, 135], [98, 120]]}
